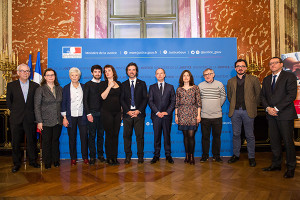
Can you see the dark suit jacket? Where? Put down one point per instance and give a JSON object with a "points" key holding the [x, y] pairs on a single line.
{"points": [[20, 111], [162, 103], [66, 105], [283, 96], [47, 107], [140, 97]]}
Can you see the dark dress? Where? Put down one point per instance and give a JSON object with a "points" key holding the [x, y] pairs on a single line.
{"points": [[187, 103], [111, 119]]}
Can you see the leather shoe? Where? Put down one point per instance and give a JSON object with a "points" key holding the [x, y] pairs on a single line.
{"points": [[170, 159], [115, 161], [140, 160], [92, 161], [47, 166], [56, 164], [271, 168], [73, 162], [289, 174], [233, 159], [252, 162], [102, 159], [110, 162], [35, 165], [127, 160], [154, 160], [15, 168]]}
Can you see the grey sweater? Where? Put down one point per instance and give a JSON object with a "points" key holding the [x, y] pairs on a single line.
{"points": [[213, 96]]}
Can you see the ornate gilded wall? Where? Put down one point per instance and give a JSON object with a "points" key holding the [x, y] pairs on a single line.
{"points": [[248, 21], [34, 21]]}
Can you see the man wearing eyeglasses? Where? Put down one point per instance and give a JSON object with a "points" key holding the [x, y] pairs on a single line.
{"points": [[20, 101], [213, 97], [279, 90], [243, 93]]}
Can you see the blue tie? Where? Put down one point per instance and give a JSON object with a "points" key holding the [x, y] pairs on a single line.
{"points": [[132, 94], [273, 82]]}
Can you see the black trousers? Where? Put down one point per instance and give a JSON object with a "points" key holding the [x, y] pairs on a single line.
{"points": [[111, 122], [72, 132], [50, 143], [213, 126], [95, 128], [138, 124], [162, 126], [17, 131], [282, 129]]}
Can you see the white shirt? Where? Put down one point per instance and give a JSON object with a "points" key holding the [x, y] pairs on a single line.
{"points": [[76, 101], [277, 75], [95, 80]]}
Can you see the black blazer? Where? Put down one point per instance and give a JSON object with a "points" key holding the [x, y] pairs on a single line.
{"points": [[140, 97], [162, 103], [283, 96], [19, 110]]}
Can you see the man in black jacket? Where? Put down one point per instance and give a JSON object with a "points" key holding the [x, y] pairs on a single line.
{"points": [[134, 101], [92, 105], [20, 102], [278, 93]]}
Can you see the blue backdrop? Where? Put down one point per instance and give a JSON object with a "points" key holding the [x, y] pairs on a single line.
{"points": [[173, 54]]}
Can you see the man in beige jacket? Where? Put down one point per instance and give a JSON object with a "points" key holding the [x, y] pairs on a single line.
{"points": [[243, 93]]}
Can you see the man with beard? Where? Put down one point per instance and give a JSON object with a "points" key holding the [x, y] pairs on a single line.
{"points": [[243, 93], [134, 101], [92, 104]]}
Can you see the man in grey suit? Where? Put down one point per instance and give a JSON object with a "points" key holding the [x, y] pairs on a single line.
{"points": [[20, 102], [243, 92], [279, 90]]}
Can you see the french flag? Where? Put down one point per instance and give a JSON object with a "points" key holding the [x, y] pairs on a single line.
{"points": [[38, 71]]}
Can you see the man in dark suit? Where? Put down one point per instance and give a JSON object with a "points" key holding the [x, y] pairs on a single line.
{"points": [[279, 90], [20, 101], [162, 103], [134, 101]]}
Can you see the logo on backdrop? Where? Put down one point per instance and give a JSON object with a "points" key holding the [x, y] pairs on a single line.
{"points": [[71, 52]]}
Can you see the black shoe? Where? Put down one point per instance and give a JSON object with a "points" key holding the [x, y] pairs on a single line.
{"points": [[154, 160], [170, 159], [56, 164], [252, 162], [217, 159], [289, 174], [140, 160], [204, 159], [110, 161], [15, 168], [233, 159], [92, 161], [271, 168], [127, 160], [47, 166], [115, 161], [35, 165], [102, 159]]}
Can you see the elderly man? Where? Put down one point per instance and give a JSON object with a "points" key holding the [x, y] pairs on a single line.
{"points": [[213, 97], [20, 101]]}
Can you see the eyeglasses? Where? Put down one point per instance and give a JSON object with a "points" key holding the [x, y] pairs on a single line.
{"points": [[208, 74], [49, 75], [275, 63], [240, 66], [24, 71]]}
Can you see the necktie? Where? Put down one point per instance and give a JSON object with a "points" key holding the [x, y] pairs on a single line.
{"points": [[161, 89], [273, 82], [132, 93]]}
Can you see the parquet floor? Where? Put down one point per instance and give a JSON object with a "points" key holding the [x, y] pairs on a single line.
{"points": [[145, 181]]}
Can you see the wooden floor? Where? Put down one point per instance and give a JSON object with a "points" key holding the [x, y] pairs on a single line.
{"points": [[145, 181]]}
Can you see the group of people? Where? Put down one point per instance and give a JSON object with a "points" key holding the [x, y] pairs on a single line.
{"points": [[99, 106]]}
